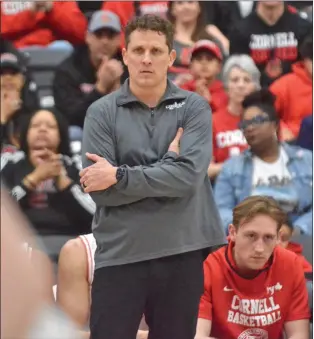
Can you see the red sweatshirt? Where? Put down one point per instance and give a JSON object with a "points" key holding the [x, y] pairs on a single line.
{"points": [[218, 95], [126, 9], [65, 21], [294, 97]]}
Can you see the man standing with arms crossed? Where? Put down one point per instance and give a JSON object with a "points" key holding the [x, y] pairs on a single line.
{"points": [[155, 208]]}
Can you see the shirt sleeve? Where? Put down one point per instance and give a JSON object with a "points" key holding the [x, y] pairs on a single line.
{"points": [[98, 139], [299, 304], [205, 307], [188, 171]]}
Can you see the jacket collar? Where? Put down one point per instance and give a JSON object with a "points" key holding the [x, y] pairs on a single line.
{"points": [[172, 93], [292, 152]]}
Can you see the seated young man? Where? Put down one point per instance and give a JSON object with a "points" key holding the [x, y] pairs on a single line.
{"points": [[75, 277], [253, 288]]}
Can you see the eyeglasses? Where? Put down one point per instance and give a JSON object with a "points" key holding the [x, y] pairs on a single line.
{"points": [[259, 120]]}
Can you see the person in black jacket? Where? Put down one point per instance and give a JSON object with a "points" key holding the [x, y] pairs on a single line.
{"points": [[92, 71], [271, 36], [44, 180]]}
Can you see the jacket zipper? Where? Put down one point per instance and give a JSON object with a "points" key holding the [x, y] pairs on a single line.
{"points": [[152, 114]]}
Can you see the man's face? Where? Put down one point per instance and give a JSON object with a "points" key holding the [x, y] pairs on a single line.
{"points": [[254, 242], [11, 80], [103, 42], [147, 58], [205, 65]]}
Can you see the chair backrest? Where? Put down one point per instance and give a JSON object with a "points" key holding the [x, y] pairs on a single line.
{"points": [[42, 63]]}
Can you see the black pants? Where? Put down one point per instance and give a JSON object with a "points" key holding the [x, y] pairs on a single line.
{"points": [[166, 290]]}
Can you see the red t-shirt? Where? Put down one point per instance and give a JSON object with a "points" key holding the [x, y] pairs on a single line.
{"points": [[228, 139], [253, 308], [219, 99]]}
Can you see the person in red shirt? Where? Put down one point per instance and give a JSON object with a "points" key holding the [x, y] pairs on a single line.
{"points": [[31, 23], [254, 288], [294, 93], [205, 66], [241, 77], [126, 10], [285, 235]]}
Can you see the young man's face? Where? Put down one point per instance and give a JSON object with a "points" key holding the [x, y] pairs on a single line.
{"points": [[254, 242], [148, 58], [205, 65]]}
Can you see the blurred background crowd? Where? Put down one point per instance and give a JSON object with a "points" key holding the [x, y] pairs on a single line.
{"points": [[58, 57]]}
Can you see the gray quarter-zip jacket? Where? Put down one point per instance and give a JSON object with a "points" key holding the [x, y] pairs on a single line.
{"points": [[164, 204]]}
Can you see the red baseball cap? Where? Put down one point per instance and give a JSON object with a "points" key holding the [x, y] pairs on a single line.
{"points": [[208, 45]]}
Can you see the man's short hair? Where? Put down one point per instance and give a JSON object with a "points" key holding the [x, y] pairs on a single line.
{"points": [[150, 22], [253, 206]]}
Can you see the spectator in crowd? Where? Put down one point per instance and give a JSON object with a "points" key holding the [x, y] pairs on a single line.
{"points": [[29, 23], [305, 138], [45, 182], [126, 10], [75, 277], [18, 93], [92, 70], [271, 36], [189, 26], [268, 168], [253, 288], [205, 66], [285, 234], [226, 14], [294, 93], [241, 77]]}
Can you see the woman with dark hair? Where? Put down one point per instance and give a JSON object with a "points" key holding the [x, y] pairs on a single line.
{"points": [[45, 181], [269, 167]]}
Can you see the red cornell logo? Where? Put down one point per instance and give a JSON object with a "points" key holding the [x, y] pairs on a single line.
{"points": [[256, 333]]}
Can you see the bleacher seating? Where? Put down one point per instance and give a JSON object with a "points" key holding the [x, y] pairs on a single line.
{"points": [[42, 63]]}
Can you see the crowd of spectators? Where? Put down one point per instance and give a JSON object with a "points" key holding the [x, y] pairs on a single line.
{"points": [[226, 52]]}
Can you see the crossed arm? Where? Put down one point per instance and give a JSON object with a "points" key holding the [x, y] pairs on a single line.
{"points": [[173, 176]]}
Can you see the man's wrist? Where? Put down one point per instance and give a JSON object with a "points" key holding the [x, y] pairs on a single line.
{"points": [[119, 173]]}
